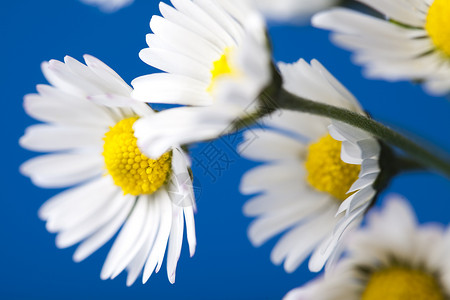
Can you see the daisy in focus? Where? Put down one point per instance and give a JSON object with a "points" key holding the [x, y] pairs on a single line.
{"points": [[412, 43], [108, 6], [292, 10], [318, 176], [216, 62], [88, 120], [392, 258]]}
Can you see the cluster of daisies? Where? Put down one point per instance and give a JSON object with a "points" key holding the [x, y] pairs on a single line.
{"points": [[127, 171]]}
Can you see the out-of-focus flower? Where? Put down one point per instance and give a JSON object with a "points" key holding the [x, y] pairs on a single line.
{"points": [[292, 10], [412, 43], [108, 5], [217, 60], [393, 258], [318, 176], [88, 116]]}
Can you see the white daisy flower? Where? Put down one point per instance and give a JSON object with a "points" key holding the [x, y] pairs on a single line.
{"points": [[413, 43], [108, 6], [393, 258], [92, 147], [305, 189], [216, 60], [292, 10]]}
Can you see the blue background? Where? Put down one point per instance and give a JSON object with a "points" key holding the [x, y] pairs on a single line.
{"points": [[225, 265]]}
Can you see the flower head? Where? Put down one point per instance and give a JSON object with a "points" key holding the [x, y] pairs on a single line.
{"points": [[218, 62], [291, 10], [88, 120], [392, 258], [318, 176], [412, 43], [109, 5]]}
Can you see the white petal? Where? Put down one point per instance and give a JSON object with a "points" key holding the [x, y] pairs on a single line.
{"points": [[363, 182], [313, 233], [190, 229], [47, 138], [309, 126], [179, 126], [170, 89], [126, 238], [107, 74], [264, 228], [64, 111], [70, 215], [62, 170], [70, 197], [178, 37], [267, 145], [175, 63], [148, 232], [159, 248], [257, 179], [175, 241], [103, 215], [98, 239], [328, 246]]}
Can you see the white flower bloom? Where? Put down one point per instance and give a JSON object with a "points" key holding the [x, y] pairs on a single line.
{"points": [[108, 5], [216, 60], [292, 10], [392, 258], [88, 117], [413, 43], [305, 189]]}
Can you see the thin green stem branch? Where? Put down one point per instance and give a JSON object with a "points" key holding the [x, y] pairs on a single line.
{"points": [[427, 159]]}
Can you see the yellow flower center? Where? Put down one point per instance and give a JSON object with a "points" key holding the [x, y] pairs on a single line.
{"points": [[220, 68], [130, 169], [400, 283], [438, 25], [326, 172]]}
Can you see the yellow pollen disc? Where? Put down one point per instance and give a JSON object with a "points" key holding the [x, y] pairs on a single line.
{"points": [[438, 25], [326, 172], [130, 169], [400, 283], [221, 67]]}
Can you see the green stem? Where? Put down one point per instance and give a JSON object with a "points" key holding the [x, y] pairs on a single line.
{"points": [[427, 159]]}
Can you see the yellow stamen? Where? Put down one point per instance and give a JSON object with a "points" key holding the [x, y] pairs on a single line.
{"points": [[438, 25], [326, 171], [130, 169], [220, 68], [400, 283]]}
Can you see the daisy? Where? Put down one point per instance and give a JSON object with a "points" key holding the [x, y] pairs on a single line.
{"points": [[292, 10], [412, 43], [317, 180], [215, 60], [392, 258], [108, 5], [88, 117]]}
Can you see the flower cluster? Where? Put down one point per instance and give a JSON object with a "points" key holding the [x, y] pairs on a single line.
{"points": [[324, 160]]}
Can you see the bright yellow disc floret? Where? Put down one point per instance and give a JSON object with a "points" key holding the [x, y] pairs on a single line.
{"points": [[400, 283], [326, 172], [438, 25], [221, 67], [130, 169]]}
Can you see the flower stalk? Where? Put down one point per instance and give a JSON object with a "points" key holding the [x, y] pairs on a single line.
{"points": [[423, 156]]}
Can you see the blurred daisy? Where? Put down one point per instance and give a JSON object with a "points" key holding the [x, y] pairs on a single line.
{"points": [[108, 5], [318, 178], [413, 43], [92, 146], [292, 10], [217, 60], [393, 258]]}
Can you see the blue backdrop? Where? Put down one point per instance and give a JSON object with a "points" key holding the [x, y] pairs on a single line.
{"points": [[225, 265]]}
